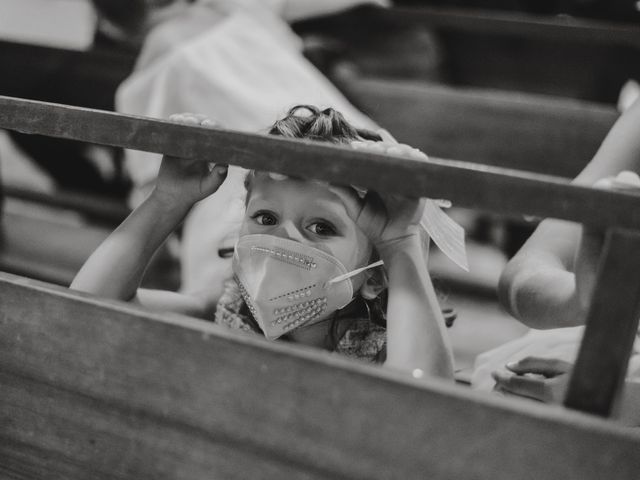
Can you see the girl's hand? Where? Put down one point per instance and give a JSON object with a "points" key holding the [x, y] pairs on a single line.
{"points": [[542, 379], [591, 241], [402, 214], [183, 182]]}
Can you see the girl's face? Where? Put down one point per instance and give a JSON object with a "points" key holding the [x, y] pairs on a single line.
{"points": [[314, 214]]}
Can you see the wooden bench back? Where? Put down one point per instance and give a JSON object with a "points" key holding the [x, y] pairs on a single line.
{"points": [[101, 389]]}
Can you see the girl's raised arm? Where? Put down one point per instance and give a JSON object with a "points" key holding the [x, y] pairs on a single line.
{"points": [[416, 338], [116, 268]]}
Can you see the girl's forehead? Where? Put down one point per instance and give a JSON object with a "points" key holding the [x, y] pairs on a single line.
{"points": [[303, 192]]}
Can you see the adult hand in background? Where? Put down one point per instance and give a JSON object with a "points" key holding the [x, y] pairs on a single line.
{"points": [[542, 379]]}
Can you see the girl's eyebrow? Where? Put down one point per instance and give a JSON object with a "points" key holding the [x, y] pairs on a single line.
{"points": [[336, 211]]}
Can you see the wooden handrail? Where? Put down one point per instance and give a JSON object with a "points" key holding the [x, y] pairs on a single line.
{"points": [[466, 184]]}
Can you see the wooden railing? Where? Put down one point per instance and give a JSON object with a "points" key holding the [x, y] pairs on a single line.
{"points": [[99, 388]]}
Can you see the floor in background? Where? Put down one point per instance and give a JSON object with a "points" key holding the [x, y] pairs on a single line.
{"points": [[481, 325]]}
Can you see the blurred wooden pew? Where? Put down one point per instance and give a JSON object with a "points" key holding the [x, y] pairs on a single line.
{"points": [[101, 388], [537, 133], [560, 55]]}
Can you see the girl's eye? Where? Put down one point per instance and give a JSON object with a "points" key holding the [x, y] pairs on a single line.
{"points": [[265, 218], [324, 229]]}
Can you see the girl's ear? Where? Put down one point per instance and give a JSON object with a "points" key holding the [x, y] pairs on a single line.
{"points": [[374, 285]]}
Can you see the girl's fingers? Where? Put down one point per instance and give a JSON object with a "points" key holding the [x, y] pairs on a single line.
{"points": [[192, 119], [389, 148], [396, 150], [625, 180], [207, 122]]}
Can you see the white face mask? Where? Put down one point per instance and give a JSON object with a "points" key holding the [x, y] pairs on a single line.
{"points": [[287, 284]]}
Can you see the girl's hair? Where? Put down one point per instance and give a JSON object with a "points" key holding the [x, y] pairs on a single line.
{"points": [[326, 125], [308, 121]]}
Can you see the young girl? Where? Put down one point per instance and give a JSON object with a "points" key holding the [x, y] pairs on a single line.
{"points": [[307, 263]]}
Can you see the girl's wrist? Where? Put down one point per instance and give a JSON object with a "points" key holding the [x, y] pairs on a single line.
{"points": [[388, 248], [169, 204]]}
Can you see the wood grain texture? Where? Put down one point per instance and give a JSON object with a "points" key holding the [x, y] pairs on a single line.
{"points": [[612, 323], [537, 133], [101, 389], [466, 184], [518, 24]]}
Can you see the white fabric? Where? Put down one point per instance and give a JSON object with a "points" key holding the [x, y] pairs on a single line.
{"points": [[558, 343]]}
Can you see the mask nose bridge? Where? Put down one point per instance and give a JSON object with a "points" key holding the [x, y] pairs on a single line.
{"points": [[289, 231]]}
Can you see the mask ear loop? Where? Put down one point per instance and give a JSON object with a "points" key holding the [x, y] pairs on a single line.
{"points": [[353, 273]]}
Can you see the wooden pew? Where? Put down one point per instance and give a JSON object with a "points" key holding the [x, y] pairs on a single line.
{"points": [[560, 55], [538, 133], [101, 388]]}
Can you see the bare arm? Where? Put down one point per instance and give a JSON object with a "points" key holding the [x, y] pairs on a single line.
{"points": [[116, 268], [538, 286], [416, 337]]}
